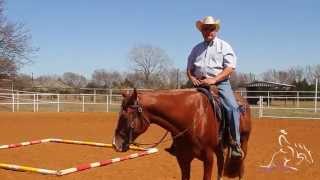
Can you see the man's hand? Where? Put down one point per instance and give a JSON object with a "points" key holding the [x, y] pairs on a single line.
{"points": [[208, 81], [195, 81]]}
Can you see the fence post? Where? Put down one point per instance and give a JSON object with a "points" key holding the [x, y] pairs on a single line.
{"points": [[37, 102], [34, 102], [12, 102], [268, 98], [316, 96], [110, 94], [82, 103], [95, 94], [107, 103], [260, 106], [298, 99], [58, 103], [18, 108]]}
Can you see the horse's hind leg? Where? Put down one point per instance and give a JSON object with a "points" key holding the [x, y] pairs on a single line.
{"points": [[184, 164]]}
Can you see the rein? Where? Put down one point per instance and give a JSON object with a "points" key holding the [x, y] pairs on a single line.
{"points": [[138, 108]]}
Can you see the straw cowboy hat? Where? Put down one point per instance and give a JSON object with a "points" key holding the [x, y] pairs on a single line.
{"points": [[208, 20]]}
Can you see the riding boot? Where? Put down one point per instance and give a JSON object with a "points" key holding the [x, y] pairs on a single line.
{"points": [[171, 150], [236, 151]]}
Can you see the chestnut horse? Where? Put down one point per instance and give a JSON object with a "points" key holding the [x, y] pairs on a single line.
{"points": [[188, 115]]}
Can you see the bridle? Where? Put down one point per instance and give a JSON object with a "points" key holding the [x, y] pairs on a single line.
{"points": [[138, 109]]}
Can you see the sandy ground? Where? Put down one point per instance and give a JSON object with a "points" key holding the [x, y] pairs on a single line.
{"points": [[98, 127]]}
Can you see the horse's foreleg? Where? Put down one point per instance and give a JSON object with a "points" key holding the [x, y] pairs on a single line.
{"points": [[220, 162], [184, 164], [207, 165]]}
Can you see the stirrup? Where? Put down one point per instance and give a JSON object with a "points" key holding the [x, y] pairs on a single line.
{"points": [[236, 152]]}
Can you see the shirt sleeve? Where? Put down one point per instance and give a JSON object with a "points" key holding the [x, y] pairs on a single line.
{"points": [[191, 59], [229, 57]]}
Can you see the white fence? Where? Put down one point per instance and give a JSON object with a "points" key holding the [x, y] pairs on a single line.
{"points": [[37, 102], [278, 104], [286, 107]]}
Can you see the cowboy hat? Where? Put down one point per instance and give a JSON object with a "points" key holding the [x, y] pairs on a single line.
{"points": [[208, 20]]}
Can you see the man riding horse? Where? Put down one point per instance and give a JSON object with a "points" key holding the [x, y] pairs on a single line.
{"points": [[211, 62], [194, 124]]}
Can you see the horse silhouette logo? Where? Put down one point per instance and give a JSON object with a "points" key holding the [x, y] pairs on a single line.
{"points": [[289, 156]]}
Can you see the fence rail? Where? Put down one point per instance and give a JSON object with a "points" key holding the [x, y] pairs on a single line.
{"points": [[271, 105]]}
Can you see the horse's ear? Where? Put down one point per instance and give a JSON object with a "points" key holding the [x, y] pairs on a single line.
{"points": [[125, 93]]}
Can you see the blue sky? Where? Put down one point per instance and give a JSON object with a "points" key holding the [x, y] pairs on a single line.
{"points": [[84, 35]]}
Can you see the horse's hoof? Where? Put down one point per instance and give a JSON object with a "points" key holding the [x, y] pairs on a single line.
{"points": [[171, 151]]}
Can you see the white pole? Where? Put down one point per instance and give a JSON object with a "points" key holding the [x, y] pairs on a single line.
{"points": [[12, 102], [260, 107], [110, 93], [18, 108], [37, 102], [316, 96], [34, 102], [298, 100], [82, 103], [58, 105], [107, 103], [268, 98], [94, 97]]}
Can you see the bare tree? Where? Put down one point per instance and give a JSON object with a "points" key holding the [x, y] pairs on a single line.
{"points": [[150, 61], [136, 79], [14, 41], [296, 74], [312, 72], [7, 67], [74, 80], [104, 78], [239, 79], [277, 76]]}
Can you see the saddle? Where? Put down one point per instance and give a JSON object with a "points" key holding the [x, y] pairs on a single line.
{"points": [[212, 93]]}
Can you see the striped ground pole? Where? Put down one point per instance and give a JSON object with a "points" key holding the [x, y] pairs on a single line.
{"points": [[7, 146], [55, 140], [26, 168], [83, 167], [92, 144]]}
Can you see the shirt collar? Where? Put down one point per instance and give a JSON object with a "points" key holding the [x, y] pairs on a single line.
{"points": [[211, 43]]}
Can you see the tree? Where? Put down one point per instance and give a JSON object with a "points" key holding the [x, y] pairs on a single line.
{"points": [[312, 73], [239, 79], [74, 80], [277, 76], [7, 67], [14, 42], [106, 79], [150, 61]]}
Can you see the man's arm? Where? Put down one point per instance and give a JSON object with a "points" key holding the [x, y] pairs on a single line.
{"points": [[193, 79], [220, 77]]}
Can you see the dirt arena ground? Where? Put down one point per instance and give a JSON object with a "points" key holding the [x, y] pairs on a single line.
{"points": [[98, 127]]}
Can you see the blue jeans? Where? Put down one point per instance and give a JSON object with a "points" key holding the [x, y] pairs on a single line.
{"points": [[231, 106]]}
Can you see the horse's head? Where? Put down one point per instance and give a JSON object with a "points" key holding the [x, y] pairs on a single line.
{"points": [[131, 122]]}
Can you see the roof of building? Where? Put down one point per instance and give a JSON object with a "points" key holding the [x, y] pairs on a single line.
{"points": [[267, 84]]}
